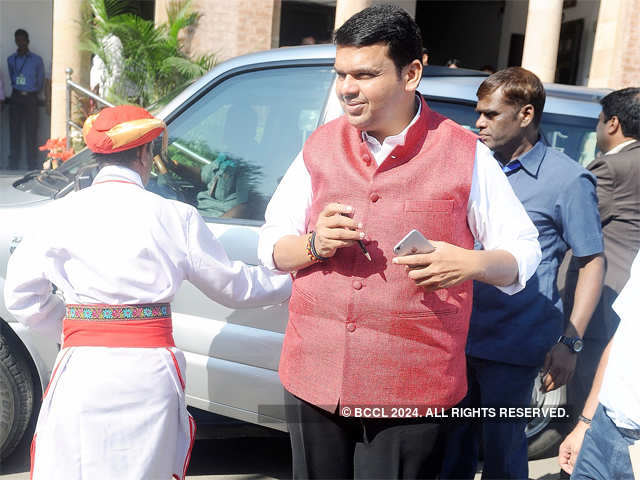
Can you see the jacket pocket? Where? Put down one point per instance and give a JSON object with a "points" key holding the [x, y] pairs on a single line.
{"points": [[431, 217]]}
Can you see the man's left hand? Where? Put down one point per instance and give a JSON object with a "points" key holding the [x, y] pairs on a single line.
{"points": [[445, 267], [559, 365]]}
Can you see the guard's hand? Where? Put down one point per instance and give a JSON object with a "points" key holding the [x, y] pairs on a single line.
{"points": [[336, 229], [559, 365], [570, 447], [445, 267]]}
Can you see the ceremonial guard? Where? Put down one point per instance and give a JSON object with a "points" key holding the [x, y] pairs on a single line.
{"points": [[115, 405]]}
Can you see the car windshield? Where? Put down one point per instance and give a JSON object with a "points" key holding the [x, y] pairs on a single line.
{"points": [[573, 135]]}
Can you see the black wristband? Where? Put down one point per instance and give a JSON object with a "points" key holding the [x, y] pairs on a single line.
{"points": [[584, 419], [313, 248]]}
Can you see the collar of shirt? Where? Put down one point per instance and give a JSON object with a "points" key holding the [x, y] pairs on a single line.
{"points": [[532, 159], [382, 151], [117, 173], [619, 147]]}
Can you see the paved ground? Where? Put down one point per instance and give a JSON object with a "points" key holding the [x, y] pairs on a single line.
{"points": [[251, 459]]}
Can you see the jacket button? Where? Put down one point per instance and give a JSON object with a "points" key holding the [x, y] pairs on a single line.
{"points": [[357, 284], [374, 197], [366, 158], [351, 326]]}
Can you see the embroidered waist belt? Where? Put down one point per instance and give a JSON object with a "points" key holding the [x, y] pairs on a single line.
{"points": [[132, 326]]}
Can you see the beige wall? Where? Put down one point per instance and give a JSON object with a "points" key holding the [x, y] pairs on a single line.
{"points": [[229, 28], [616, 53]]}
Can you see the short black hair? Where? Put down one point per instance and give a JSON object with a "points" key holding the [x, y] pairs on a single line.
{"points": [[624, 104], [386, 24], [125, 157], [520, 87], [21, 33]]}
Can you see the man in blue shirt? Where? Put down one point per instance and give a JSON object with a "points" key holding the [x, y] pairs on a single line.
{"points": [[26, 71], [510, 338]]}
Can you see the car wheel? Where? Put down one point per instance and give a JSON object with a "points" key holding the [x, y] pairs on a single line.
{"points": [[543, 433], [16, 396]]}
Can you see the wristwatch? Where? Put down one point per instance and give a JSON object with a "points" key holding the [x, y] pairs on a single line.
{"points": [[575, 344]]}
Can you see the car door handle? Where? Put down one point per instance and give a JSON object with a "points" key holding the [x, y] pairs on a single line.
{"points": [[14, 244]]}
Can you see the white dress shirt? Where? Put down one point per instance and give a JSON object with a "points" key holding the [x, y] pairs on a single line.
{"points": [[620, 146], [116, 243], [497, 219], [620, 391]]}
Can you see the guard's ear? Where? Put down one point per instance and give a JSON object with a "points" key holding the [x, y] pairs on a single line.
{"points": [[527, 114]]}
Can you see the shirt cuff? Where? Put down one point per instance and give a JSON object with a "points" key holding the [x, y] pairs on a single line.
{"points": [[269, 236], [528, 256]]}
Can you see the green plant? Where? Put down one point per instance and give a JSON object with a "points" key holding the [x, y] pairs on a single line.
{"points": [[152, 59]]}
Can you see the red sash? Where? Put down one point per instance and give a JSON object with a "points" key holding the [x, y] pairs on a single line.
{"points": [[132, 326]]}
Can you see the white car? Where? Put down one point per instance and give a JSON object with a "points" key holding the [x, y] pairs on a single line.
{"points": [[243, 123]]}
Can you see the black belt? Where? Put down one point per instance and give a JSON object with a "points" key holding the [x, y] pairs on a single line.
{"points": [[23, 93]]}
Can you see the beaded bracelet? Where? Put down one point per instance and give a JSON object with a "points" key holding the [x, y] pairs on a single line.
{"points": [[311, 249]]}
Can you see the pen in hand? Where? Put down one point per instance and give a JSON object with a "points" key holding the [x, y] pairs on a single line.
{"points": [[364, 249], [361, 244]]}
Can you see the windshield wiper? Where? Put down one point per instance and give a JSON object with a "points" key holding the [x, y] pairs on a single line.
{"points": [[56, 174]]}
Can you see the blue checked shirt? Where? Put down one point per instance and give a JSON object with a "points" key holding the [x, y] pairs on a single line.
{"points": [[560, 198]]}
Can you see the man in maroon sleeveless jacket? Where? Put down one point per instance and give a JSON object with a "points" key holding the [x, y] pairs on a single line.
{"points": [[368, 336]]}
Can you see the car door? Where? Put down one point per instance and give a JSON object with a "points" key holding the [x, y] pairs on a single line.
{"points": [[232, 146]]}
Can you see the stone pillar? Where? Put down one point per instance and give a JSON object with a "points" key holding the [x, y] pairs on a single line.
{"points": [[347, 8], [66, 53], [616, 51], [541, 38], [160, 11]]}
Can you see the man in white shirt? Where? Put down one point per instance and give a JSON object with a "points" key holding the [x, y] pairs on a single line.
{"points": [[604, 444], [372, 331], [115, 405]]}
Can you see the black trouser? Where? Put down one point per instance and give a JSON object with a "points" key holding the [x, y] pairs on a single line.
{"points": [[23, 117], [326, 445]]}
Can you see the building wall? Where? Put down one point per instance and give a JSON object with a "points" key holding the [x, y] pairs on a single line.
{"points": [[229, 28], [36, 17], [630, 76], [515, 21]]}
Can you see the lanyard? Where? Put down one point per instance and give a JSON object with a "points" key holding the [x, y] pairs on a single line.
{"points": [[15, 59], [511, 167]]}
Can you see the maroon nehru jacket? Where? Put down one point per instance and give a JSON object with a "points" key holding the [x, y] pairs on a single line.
{"points": [[362, 333]]}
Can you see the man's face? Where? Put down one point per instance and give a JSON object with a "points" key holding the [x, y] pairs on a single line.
{"points": [[499, 123], [369, 88], [22, 43], [602, 138]]}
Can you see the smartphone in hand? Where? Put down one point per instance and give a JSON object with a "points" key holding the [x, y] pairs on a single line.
{"points": [[412, 243]]}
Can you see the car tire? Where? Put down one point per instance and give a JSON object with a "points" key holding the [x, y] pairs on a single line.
{"points": [[16, 396], [545, 434]]}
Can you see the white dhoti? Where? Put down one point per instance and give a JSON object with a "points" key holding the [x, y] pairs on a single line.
{"points": [[114, 413]]}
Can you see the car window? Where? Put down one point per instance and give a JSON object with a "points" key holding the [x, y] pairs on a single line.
{"points": [[229, 150], [575, 136]]}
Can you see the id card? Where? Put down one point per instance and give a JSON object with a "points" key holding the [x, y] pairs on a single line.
{"points": [[21, 80], [634, 456]]}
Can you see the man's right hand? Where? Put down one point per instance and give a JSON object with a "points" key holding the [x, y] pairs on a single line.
{"points": [[335, 228]]}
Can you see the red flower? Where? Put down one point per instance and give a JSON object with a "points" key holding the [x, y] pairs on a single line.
{"points": [[57, 148]]}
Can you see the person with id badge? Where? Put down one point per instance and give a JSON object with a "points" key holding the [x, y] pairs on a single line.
{"points": [[26, 71], [605, 443]]}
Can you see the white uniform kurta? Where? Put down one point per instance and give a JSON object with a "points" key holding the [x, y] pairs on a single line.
{"points": [[120, 412]]}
